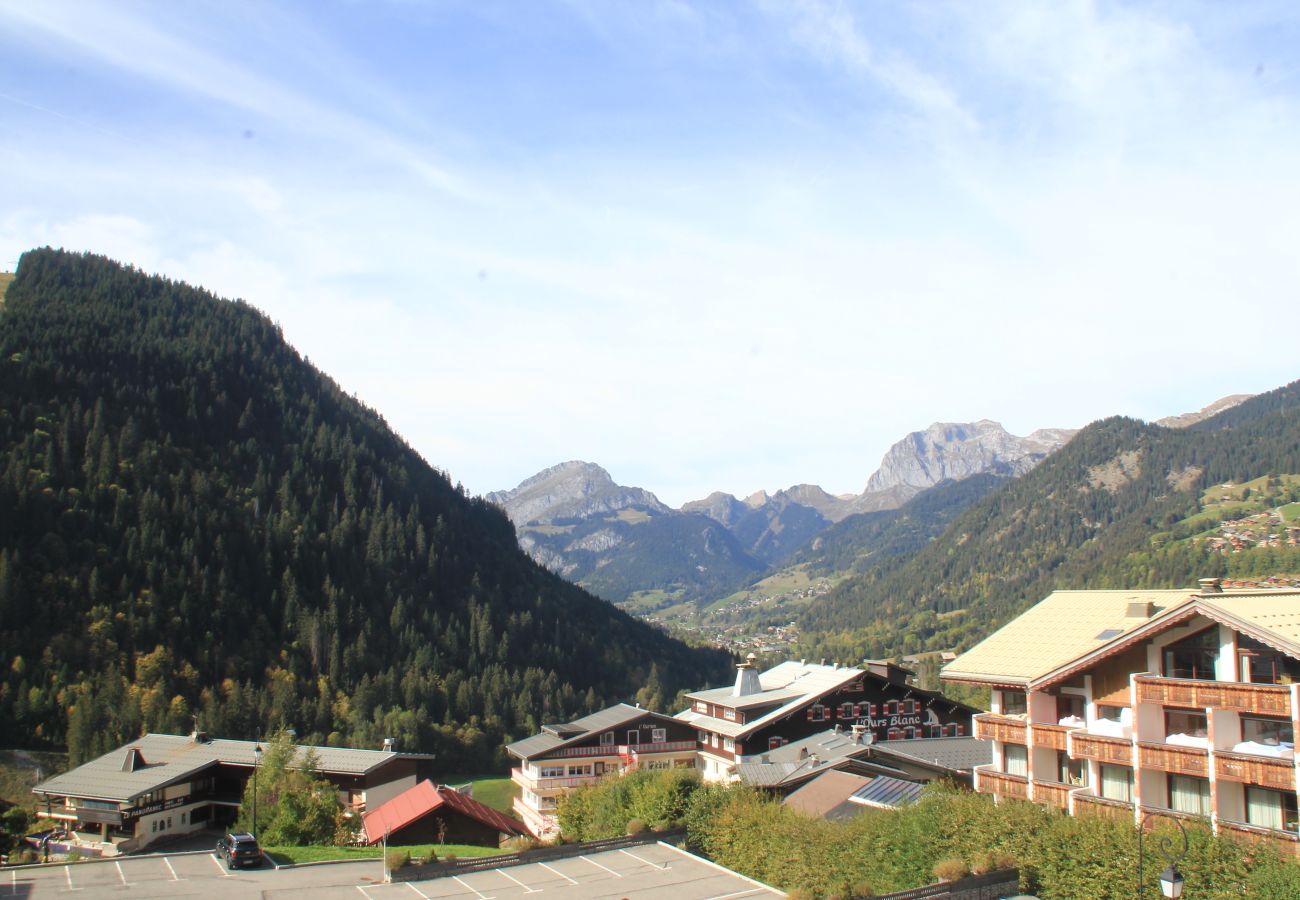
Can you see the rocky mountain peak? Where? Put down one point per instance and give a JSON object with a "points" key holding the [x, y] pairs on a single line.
{"points": [[573, 489], [1183, 420]]}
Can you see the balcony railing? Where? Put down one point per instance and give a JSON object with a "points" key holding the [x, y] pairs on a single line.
{"points": [[1175, 759], [1054, 793], [619, 749], [1050, 736], [1091, 804], [1286, 841], [1102, 748], [538, 821], [989, 727], [663, 747], [523, 779], [1264, 771], [1258, 699], [990, 781]]}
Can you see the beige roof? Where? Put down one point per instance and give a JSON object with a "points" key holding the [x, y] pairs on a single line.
{"points": [[1061, 628], [1270, 616]]}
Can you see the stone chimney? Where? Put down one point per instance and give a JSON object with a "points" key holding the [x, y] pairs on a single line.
{"points": [[1210, 585], [388, 745], [134, 760], [858, 731], [747, 678]]}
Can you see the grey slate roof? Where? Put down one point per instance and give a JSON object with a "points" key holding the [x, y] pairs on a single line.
{"points": [[171, 757], [887, 792], [957, 754], [828, 796], [794, 761], [578, 729]]}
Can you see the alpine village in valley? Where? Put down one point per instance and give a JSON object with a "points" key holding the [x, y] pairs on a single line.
{"points": [[255, 641]]}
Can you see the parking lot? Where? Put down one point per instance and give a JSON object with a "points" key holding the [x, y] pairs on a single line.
{"points": [[645, 871]]}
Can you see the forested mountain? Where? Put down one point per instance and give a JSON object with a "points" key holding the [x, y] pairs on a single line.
{"points": [[1114, 508], [199, 524]]}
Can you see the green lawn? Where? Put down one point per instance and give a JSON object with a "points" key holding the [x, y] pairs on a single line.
{"points": [[287, 855]]}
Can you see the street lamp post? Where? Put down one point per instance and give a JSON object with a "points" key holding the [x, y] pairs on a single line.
{"points": [[257, 756], [1171, 881]]}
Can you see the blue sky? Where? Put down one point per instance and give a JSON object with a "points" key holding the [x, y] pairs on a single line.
{"points": [[708, 245]]}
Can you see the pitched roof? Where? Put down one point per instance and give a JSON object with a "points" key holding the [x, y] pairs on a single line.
{"points": [[1272, 616], [800, 760], [955, 754], [554, 736], [155, 760], [424, 798], [791, 684], [887, 793], [827, 795], [1057, 630]]}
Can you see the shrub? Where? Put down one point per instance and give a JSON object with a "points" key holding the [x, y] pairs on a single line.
{"points": [[635, 826], [982, 863], [520, 843], [950, 869], [396, 859], [74, 855]]}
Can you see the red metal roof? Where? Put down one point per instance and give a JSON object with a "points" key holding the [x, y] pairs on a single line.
{"points": [[417, 802]]}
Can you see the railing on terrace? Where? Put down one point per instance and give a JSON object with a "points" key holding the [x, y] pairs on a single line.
{"points": [[1050, 736], [1174, 758], [989, 727], [523, 779], [1053, 793], [991, 781], [1175, 814], [1091, 804], [1264, 771], [663, 747], [1102, 748], [1261, 699], [1288, 841], [619, 749]]}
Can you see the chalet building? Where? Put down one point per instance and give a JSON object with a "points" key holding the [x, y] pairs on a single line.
{"points": [[796, 700], [430, 813], [613, 741], [164, 785], [1122, 703]]}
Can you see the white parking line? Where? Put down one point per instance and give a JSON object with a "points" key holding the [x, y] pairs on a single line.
{"points": [[220, 868], [363, 893], [599, 866], [418, 891], [557, 872], [67, 870], [736, 894], [527, 889], [121, 874], [646, 861], [168, 863], [13, 883], [463, 884]]}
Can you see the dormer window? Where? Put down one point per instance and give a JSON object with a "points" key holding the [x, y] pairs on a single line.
{"points": [[607, 739]]}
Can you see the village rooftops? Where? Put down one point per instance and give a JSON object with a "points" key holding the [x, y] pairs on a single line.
{"points": [[789, 685], [156, 760], [800, 760], [1052, 640], [555, 736], [955, 755]]}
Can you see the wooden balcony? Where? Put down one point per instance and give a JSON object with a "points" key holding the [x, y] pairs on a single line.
{"points": [[989, 727], [1257, 699], [1175, 759], [1264, 771], [990, 781], [1092, 805], [523, 779], [1050, 736], [1054, 794], [1286, 842], [1102, 748]]}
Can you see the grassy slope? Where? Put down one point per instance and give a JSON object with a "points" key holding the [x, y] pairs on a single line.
{"points": [[18, 773], [496, 791], [289, 855]]}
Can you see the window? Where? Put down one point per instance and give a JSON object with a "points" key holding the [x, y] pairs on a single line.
{"points": [[775, 741], [872, 709], [846, 711], [1015, 760], [1270, 809], [894, 734], [701, 706], [1264, 665], [891, 707], [552, 771], [817, 713], [911, 707], [729, 745], [1068, 705], [1193, 657], [1014, 703], [1110, 713], [729, 714], [607, 739], [936, 731], [910, 732], [1185, 721], [854, 688], [1188, 794], [154, 826], [579, 770], [659, 735], [1117, 783], [1070, 771], [704, 737], [1266, 731]]}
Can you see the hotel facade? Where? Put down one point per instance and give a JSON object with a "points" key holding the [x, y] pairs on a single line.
{"points": [[1125, 703]]}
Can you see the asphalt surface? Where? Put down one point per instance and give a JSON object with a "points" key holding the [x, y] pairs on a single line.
{"points": [[646, 871]]}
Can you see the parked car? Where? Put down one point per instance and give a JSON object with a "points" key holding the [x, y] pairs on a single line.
{"points": [[239, 849]]}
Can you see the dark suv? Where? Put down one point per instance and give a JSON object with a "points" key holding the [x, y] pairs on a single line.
{"points": [[239, 849]]}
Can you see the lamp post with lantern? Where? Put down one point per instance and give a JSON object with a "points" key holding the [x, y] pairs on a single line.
{"points": [[1171, 880]]}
